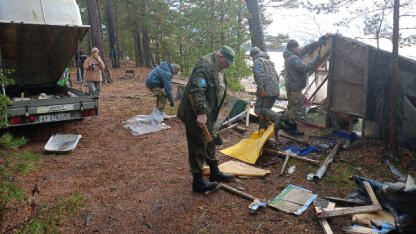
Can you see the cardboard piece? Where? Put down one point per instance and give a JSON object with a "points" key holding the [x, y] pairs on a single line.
{"points": [[239, 169], [293, 199]]}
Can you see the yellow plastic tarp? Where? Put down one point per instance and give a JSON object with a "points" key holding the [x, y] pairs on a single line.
{"points": [[239, 169], [248, 150]]}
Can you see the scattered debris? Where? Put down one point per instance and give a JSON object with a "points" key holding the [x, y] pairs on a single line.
{"points": [[62, 143], [142, 124], [349, 211], [283, 154], [358, 229], [395, 172], [291, 170], [346, 201], [239, 169], [294, 139], [328, 160], [284, 165], [293, 199], [324, 222]]}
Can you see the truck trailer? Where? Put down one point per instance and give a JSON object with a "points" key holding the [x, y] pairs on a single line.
{"points": [[37, 42]]}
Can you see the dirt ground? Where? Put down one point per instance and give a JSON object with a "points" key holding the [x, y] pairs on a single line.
{"points": [[142, 184]]}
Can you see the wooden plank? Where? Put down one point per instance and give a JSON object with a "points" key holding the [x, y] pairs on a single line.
{"points": [[345, 201], [371, 193], [358, 230], [224, 112], [324, 222], [283, 155], [350, 211], [227, 128]]}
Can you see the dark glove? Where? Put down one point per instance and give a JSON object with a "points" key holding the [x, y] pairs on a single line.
{"points": [[322, 40], [218, 140], [317, 58], [172, 104]]}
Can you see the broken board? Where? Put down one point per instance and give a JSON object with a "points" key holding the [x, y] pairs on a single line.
{"points": [[239, 169], [224, 112], [293, 199]]}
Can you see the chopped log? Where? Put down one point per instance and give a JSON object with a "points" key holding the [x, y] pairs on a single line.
{"points": [[283, 155], [345, 201], [358, 230], [328, 160], [350, 211], [371, 193]]}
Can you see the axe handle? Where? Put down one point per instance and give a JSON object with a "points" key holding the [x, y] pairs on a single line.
{"points": [[238, 192], [204, 128]]}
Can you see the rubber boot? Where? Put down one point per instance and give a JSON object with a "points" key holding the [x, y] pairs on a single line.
{"points": [[199, 185], [217, 175], [294, 130]]}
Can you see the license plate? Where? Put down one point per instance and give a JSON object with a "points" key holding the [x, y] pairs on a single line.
{"points": [[54, 118]]}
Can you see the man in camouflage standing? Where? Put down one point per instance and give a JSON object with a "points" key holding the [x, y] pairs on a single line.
{"points": [[207, 85], [296, 77], [267, 82]]}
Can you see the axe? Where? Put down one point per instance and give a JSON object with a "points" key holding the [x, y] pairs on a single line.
{"points": [[254, 206], [204, 128]]}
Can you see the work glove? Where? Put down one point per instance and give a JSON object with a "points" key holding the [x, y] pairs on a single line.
{"points": [[172, 104], [201, 120], [218, 140]]}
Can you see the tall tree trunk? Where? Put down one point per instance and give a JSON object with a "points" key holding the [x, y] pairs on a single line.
{"points": [[394, 75], [96, 36], [212, 24], [117, 27], [148, 58], [255, 25], [222, 19], [239, 30], [114, 53]]}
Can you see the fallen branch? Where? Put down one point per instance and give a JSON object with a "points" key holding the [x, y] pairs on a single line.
{"points": [[328, 160], [283, 155]]}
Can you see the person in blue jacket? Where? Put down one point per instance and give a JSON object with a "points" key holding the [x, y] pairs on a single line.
{"points": [[159, 82]]}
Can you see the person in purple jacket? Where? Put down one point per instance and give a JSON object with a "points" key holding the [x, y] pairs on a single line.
{"points": [[159, 82]]}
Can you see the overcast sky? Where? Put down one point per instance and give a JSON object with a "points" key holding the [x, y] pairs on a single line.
{"points": [[306, 26]]}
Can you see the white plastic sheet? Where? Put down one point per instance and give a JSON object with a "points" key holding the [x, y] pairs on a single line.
{"points": [[52, 12], [142, 124]]}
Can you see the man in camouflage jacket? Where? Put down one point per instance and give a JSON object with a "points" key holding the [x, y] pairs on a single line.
{"points": [[267, 81], [296, 78], [207, 85]]}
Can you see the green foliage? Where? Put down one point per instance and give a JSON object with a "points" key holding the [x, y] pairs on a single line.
{"points": [[11, 143], [4, 100]]}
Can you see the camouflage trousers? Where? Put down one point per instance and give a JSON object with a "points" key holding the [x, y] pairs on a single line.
{"points": [[263, 108], [198, 150], [161, 98], [294, 107]]}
